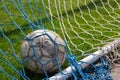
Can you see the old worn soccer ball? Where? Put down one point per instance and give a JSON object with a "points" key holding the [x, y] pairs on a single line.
{"points": [[43, 50]]}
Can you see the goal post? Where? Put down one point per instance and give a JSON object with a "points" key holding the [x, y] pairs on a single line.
{"points": [[85, 62]]}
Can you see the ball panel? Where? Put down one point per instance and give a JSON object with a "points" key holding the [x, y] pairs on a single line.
{"points": [[31, 65], [25, 49], [48, 66], [54, 67], [34, 51], [52, 35], [61, 58], [49, 47], [39, 68], [45, 53], [61, 49], [60, 41], [40, 40], [61, 53]]}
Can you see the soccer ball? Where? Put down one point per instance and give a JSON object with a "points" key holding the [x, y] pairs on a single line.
{"points": [[43, 50]]}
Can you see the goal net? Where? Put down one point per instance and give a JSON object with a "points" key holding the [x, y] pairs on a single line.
{"points": [[85, 26]]}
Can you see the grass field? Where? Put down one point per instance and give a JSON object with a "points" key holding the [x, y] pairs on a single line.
{"points": [[83, 24]]}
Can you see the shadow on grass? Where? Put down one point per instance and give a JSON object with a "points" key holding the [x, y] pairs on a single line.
{"points": [[35, 76]]}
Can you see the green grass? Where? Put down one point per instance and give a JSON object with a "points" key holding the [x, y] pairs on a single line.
{"points": [[88, 29]]}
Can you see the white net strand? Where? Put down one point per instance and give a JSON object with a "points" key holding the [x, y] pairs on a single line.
{"points": [[66, 18]]}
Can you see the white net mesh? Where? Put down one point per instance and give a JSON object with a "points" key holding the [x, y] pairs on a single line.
{"points": [[85, 24]]}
